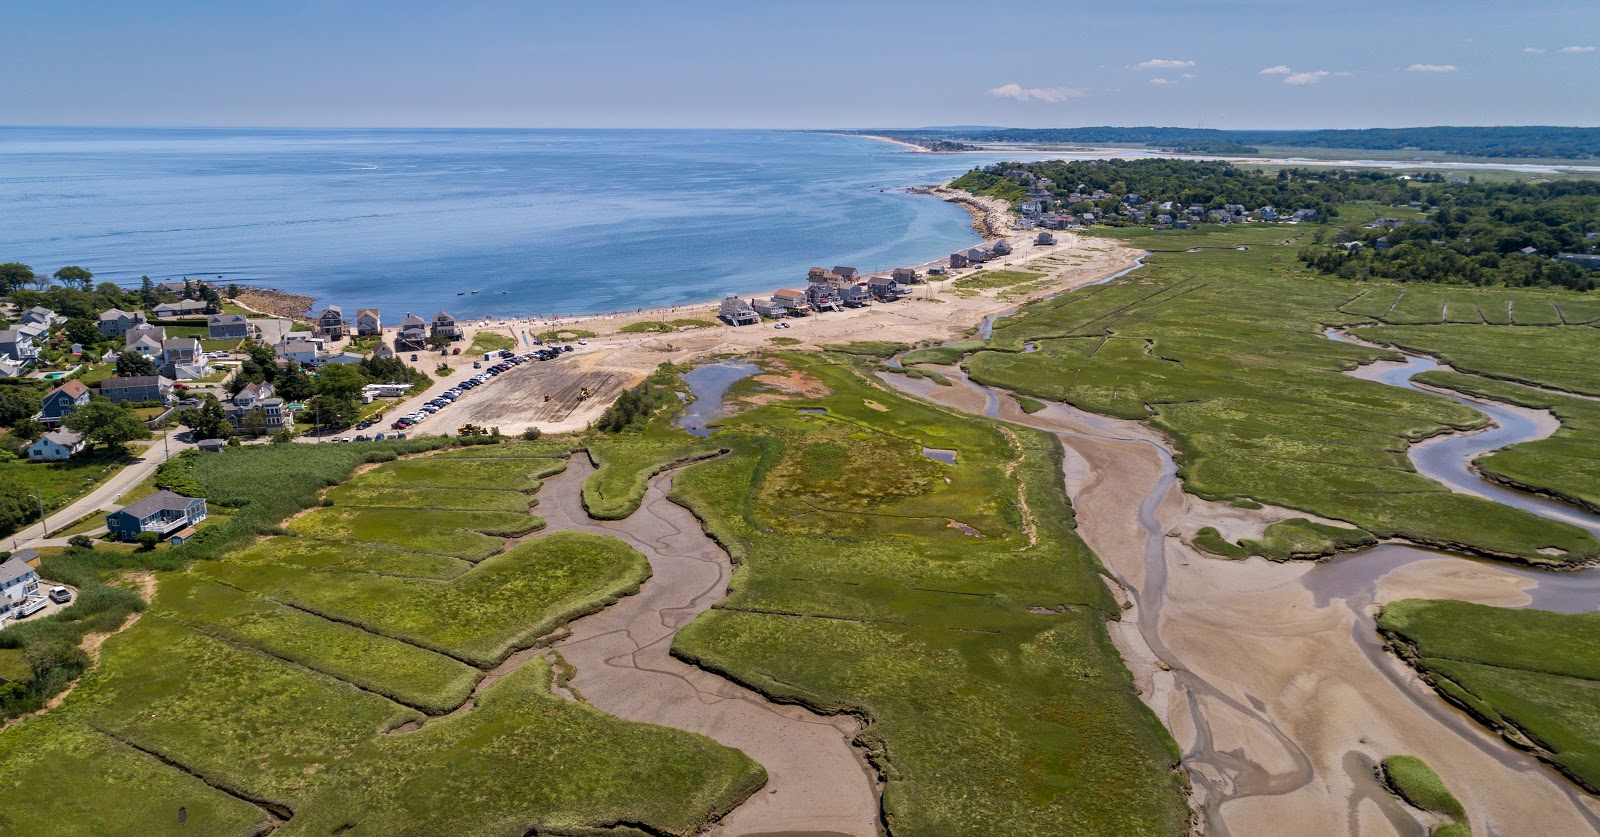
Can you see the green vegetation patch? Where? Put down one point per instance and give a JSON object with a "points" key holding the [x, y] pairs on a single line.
{"points": [[1556, 357], [662, 326], [986, 279], [524, 758], [869, 348], [1224, 351], [1212, 541], [1532, 675], [1298, 538], [952, 605], [502, 604], [1416, 783], [625, 464], [472, 535], [489, 341], [945, 355], [355, 556]]}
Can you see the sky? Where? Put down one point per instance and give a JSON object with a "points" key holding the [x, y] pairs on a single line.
{"points": [[798, 64]]}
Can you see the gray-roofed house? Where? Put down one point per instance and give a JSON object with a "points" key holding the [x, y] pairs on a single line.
{"points": [[227, 326], [849, 274], [444, 324], [19, 581], [331, 324], [182, 308], [413, 334], [905, 275], [821, 296], [163, 512], [144, 339], [368, 322], [886, 289], [769, 308], [1000, 248], [55, 446], [18, 346], [115, 322], [852, 295], [736, 312], [958, 259], [138, 388], [383, 351], [61, 401], [40, 315], [1044, 239], [793, 300]]}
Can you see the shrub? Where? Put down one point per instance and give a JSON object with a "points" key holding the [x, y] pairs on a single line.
{"points": [[81, 542], [531, 434], [148, 541]]}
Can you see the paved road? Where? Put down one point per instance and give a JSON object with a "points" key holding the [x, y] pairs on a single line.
{"points": [[107, 496]]}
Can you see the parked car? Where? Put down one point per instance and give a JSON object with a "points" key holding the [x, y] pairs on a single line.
{"points": [[582, 342], [413, 357], [477, 364], [60, 595], [456, 350]]}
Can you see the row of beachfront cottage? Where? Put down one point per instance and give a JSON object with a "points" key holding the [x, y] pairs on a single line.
{"points": [[825, 290]]}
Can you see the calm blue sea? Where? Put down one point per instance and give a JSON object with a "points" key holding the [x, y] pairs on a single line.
{"points": [[548, 221]]}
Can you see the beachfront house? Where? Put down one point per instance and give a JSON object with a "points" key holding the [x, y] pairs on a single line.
{"points": [[736, 312], [115, 322], [227, 327], [792, 300], [413, 334], [163, 513], [1044, 239], [1000, 248], [905, 275], [330, 323], [848, 274], [822, 296], [17, 346], [138, 389], [182, 359], [978, 255], [445, 324], [55, 446], [769, 308], [367, 322], [61, 401], [886, 289], [958, 260]]}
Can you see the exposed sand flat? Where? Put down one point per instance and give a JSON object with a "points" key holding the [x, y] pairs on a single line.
{"points": [[817, 783], [1281, 695]]}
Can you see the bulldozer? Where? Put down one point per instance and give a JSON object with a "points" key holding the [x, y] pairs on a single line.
{"points": [[470, 429], [583, 394]]}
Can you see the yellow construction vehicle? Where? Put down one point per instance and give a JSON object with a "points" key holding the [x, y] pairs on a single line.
{"points": [[470, 429], [583, 394]]}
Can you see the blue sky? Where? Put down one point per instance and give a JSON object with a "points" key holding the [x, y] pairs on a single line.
{"points": [[620, 63]]}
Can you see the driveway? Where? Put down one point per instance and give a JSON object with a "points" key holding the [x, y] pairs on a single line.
{"points": [[106, 496]]}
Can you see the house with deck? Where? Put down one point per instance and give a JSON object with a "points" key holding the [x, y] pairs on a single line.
{"points": [[55, 446], [330, 324], [367, 322], [258, 399], [61, 401], [905, 275], [736, 312], [886, 289], [1044, 239], [182, 359], [40, 316], [182, 308], [848, 274], [958, 260], [18, 347], [413, 335], [227, 327], [115, 322], [769, 308], [164, 513], [793, 300], [19, 582], [299, 348], [822, 296]]}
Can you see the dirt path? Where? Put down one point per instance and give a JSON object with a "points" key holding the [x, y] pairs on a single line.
{"points": [[818, 784], [1270, 676]]}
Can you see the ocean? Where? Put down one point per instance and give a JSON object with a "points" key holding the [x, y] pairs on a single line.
{"points": [[537, 221]]}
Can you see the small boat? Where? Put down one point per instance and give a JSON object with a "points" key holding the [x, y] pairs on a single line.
{"points": [[474, 291], [461, 293]]}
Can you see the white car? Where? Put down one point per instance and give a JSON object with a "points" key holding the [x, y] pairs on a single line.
{"points": [[583, 342]]}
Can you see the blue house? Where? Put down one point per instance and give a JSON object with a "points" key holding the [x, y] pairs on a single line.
{"points": [[163, 512], [61, 401]]}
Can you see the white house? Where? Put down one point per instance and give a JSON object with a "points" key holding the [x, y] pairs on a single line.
{"points": [[55, 446], [300, 349], [19, 581]]}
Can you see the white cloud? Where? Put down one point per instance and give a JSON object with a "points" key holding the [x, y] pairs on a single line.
{"points": [[1301, 79], [1280, 70], [1161, 81], [1431, 68], [1163, 64], [1037, 94], [1574, 49], [1533, 50]]}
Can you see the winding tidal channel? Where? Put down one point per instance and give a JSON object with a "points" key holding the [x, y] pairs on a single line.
{"points": [[1272, 677]]}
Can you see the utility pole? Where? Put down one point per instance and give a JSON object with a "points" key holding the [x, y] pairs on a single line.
{"points": [[44, 522]]}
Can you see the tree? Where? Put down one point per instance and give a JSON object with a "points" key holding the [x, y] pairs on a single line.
{"points": [[330, 412], [341, 381], [18, 403], [74, 277], [102, 422], [265, 358], [83, 332], [17, 507], [149, 295], [438, 340], [148, 541], [81, 542], [255, 422], [131, 364], [282, 436], [14, 275], [292, 383], [233, 291], [27, 430], [208, 421]]}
